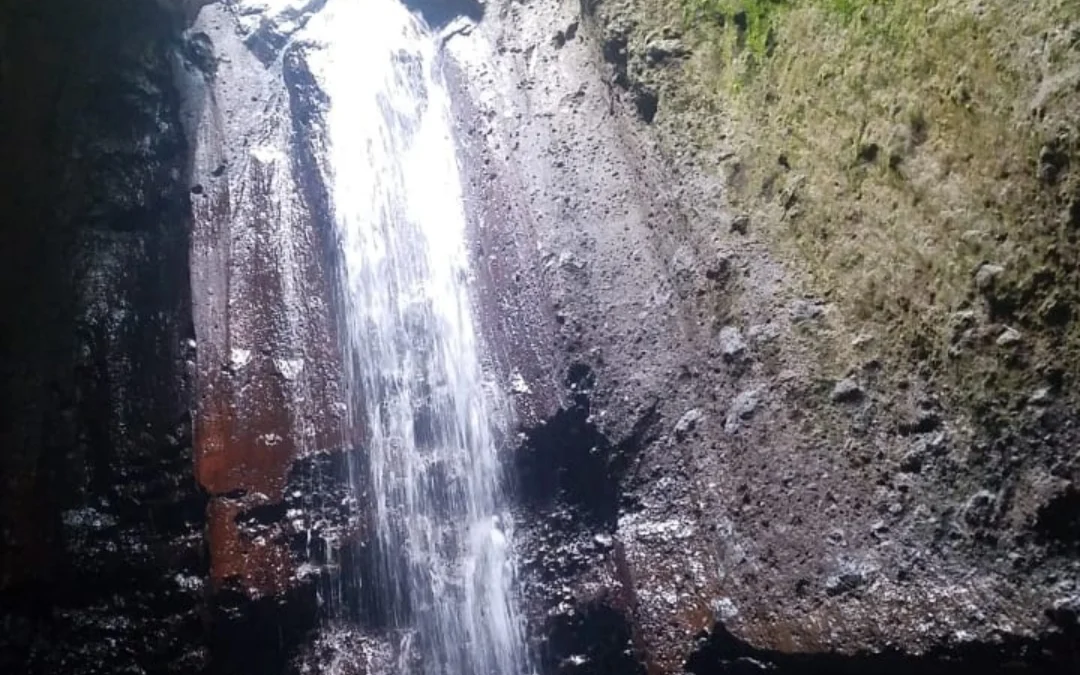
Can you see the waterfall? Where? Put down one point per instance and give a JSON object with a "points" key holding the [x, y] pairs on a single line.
{"points": [[429, 419]]}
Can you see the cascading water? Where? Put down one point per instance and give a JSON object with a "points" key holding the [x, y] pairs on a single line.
{"points": [[429, 419]]}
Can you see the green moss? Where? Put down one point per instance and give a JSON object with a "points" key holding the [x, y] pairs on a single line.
{"points": [[913, 132]]}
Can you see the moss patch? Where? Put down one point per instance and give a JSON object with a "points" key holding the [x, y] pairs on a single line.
{"points": [[892, 150]]}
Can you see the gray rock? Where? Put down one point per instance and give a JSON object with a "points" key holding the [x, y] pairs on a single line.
{"points": [[979, 508], [851, 576], [987, 275], [1041, 396], [847, 390], [662, 49], [763, 334], [1009, 337], [687, 423], [804, 310], [725, 610], [742, 408], [732, 344]]}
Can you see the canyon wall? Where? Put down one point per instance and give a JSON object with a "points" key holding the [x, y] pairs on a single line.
{"points": [[724, 469], [101, 568], [721, 467]]}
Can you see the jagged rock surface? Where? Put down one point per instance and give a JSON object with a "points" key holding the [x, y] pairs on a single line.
{"points": [[101, 567], [755, 517], [678, 509]]}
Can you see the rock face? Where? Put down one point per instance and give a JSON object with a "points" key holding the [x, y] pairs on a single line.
{"points": [[101, 566], [270, 427], [173, 432], [693, 495]]}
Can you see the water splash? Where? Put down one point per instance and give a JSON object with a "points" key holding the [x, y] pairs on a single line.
{"points": [[430, 419]]}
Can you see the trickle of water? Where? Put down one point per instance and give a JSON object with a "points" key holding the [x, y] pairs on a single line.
{"points": [[429, 419]]}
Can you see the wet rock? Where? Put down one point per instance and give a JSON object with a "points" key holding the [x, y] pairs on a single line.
{"points": [[604, 541], [847, 390], [100, 517], [1065, 611], [439, 13], [268, 28]]}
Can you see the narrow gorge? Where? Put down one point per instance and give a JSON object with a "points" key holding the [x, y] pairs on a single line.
{"points": [[539, 337]]}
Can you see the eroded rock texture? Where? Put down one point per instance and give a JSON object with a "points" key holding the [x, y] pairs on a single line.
{"points": [[176, 457], [270, 424], [703, 500], [174, 471], [101, 567]]}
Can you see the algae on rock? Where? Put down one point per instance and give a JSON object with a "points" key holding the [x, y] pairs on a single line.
{"points": [[889, 151]]}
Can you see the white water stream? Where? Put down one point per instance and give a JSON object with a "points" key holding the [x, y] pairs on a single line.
{"points": [[430, 418]]}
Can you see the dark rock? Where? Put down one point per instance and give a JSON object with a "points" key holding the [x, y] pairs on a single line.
{"points": [[912, 462], [980, 508], [563, 36], [593, 639], [438, 13], [1053, 160], [1057, 522], [869, 153], [1065, 611], [719, 652], [101, 518], [646, 102]]}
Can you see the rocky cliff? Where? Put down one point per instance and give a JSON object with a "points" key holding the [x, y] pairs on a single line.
{"points": [[750, 439], [101, 567], [742, 472]]}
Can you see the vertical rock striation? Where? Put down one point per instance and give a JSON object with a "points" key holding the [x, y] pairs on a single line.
{"points": [[270, 424], [693, 495]]}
